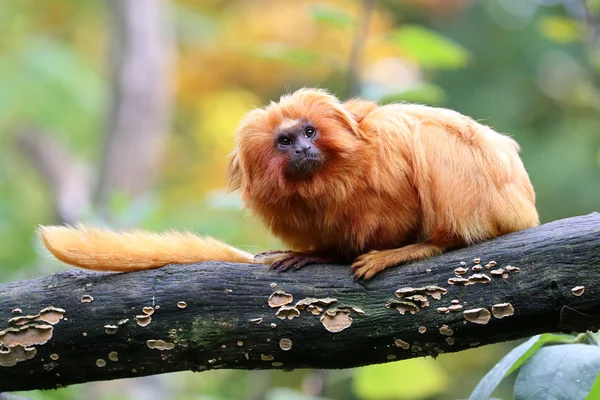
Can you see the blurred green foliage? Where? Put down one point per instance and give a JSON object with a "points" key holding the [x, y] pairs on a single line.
{"points": [[527, 68]]}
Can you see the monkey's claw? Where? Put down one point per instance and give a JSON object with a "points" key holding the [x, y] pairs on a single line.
{"points": [[298, 261]]}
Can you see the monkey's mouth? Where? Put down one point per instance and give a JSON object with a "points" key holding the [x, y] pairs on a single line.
{"points": [[304, 167]]}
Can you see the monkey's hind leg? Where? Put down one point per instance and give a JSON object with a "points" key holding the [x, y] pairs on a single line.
{"points": [[373, 262]]}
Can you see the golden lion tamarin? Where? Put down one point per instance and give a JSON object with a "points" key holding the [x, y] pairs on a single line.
{"points": [[343, 182]]}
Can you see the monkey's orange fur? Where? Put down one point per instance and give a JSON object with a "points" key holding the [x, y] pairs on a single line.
{"points": [[398, 182], [103, 250]]}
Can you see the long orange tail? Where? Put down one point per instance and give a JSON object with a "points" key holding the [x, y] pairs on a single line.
{"points": [[102, 250]]}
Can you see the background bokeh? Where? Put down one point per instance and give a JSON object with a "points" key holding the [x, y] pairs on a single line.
{"points": [[122, 112]]}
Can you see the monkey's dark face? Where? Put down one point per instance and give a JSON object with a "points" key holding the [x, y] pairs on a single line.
{"points": [[297, 140]]}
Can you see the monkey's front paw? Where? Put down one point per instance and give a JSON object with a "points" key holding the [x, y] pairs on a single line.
{"points": [[367, 266]]}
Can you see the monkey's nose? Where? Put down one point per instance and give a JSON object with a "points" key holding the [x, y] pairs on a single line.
{"points": [[305, 150]]}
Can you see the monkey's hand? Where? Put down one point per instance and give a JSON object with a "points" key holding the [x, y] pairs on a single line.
{"points": [[290, 259], [373, 262]]}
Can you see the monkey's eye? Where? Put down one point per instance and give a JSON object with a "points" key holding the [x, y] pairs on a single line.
{"points": [[309, 132], [284, 141]]}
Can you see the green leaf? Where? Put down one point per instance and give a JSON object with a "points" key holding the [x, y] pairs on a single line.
{"points": [[559, 29], [559, 372], [429, 49], [332, 16], [416, 378], [426, 93], [512, 361], [594, 393]]}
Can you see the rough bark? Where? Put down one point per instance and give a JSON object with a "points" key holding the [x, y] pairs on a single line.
{"points": [[219, 328]]}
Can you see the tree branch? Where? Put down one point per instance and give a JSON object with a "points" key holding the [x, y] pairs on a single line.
{"points": [[217, 315]]}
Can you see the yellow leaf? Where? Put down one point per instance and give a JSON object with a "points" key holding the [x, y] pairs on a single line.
{"points": [[416, 378]]}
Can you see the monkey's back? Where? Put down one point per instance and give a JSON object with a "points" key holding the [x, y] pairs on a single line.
{"points": [[470, 181]]}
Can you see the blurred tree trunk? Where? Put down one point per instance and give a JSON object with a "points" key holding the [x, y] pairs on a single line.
{"points": [[137, 124], [139, 119]]}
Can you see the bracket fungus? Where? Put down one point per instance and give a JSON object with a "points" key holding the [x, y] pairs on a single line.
{"points": [[400, 293], [446, 330], [181, 304], [160, 344], [359, 311], [289, 312], [302, 304], [113, 356], [458, 281], [280, 298], [479, 316], [148, 310], [479, 278], [143, 320], [502, 310], [86, 298], [404, 306], [314, 310], [336, 320], [29, 335], [285, 344], [111, 329], [13, 355], [578, 290], [310, 301], [419, 300], [401, 344], [455, 308], [435, 292], [50, 315]]}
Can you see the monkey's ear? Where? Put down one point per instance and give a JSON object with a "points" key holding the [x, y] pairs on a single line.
{"points": [[234, 173], [346, 118], [359, 108]]}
